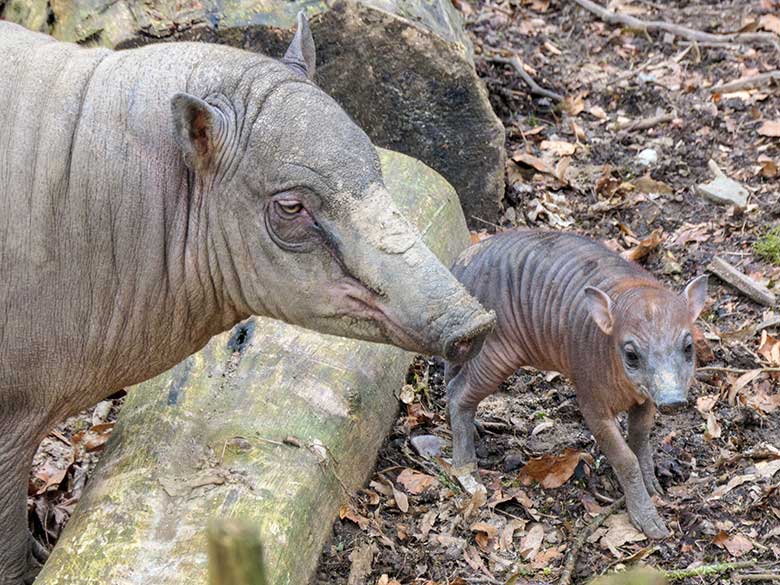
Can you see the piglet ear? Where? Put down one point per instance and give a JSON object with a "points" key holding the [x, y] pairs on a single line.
{"points": [[600, 307], [196, 130], [301, 56], [696, 296]]}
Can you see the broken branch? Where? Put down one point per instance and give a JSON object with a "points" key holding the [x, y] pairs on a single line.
{"points": [[703, 570], [517, 65], [648, 26], [742, 282], [647, 123], [747, 82], [571, 558], [735, 370], [757, 577]]}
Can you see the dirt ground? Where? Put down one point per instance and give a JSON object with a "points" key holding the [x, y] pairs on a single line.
{"points": [[584, 165]]}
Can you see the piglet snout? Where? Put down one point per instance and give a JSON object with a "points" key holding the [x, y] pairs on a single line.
{"points": [[669, 402]]}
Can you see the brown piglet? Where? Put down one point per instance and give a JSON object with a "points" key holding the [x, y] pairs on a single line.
{"points": [[566, 303]]}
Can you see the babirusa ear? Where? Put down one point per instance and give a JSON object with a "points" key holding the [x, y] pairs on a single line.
{"points": [[696, 296], [301, 56], [196, 128], [600, 307]]}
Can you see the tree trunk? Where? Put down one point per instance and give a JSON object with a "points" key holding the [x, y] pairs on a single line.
{"points": [[269, 423], [403, 69]]}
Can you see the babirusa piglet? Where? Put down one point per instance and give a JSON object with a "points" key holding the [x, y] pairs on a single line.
{"points": [[568, 304]]}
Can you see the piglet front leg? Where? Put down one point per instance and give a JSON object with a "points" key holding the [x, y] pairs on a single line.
{"points": [[626, 465], [640, 423]]}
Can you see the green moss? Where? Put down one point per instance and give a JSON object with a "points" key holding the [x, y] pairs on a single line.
{"points": [[768, 246]]}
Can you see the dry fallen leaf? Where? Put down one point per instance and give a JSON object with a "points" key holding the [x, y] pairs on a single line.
{"points": [[361, 563], [770, 349], [767, 469], [736, 481], [646, 184], [415, 482], [532, 542], [740, 383], [485, 534], [347, 512], [573, 105], [770, 22], [545, 558], [736, 545], [401, 501], [704, 404], [552, 471], [713, 428], [532, 161], [619, 532], [646, 246], [386, 580], [770, 128], [558, 147]]}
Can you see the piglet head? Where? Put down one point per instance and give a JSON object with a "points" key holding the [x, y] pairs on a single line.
{"points": [[650, 331]]}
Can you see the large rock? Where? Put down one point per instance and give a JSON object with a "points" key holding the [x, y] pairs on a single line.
{"points": [[402, 68], [268, 423]]}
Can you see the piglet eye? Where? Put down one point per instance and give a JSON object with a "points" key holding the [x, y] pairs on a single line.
{"points": [[630, 355], [289, 208], [688, 349]]}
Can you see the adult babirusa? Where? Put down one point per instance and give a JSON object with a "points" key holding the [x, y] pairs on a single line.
{"points": [[155, 197]]}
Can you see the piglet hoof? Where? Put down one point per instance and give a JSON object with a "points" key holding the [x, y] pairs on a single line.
{"points": [[39, 554], [468, 478], [648, 521], [654, 487]]}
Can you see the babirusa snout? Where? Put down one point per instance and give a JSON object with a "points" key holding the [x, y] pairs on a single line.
{"points": [[426, 309]]}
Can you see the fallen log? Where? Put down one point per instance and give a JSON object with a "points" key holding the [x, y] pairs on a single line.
{"points": [[269, 423], [403, 69]]}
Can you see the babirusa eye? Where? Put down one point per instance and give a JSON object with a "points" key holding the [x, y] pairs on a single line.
{"points": [[289, 208]]}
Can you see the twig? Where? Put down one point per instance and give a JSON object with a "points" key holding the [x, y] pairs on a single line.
{"points": [[571, 558], [716, 569], [757, 577], [735, 370], [517, 65], [647, 123], [742, 282], [747, 82], [681, 31]]}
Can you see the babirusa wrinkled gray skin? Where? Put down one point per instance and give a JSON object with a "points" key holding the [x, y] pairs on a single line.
{"points": [[154, 197], [568, 304]]}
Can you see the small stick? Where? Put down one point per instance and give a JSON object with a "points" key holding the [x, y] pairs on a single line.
{"points": [[742, 282], [517, 65], [716, 569], [747, 82], [681, 31], [757, 577], [734, 370], [648, 123], [574, 551]]}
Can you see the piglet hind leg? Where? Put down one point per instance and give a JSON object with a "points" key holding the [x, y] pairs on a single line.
{"points": [[626, 465], [640, 423]]}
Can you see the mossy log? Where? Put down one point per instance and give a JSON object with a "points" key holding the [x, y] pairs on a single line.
{"points": [[269, 423], [403, 69]]}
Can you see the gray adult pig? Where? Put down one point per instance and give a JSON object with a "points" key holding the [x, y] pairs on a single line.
{"points": [[152, 198]]}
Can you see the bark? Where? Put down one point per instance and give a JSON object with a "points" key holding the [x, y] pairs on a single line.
{"points": [[269, 423], [403, 69]]}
